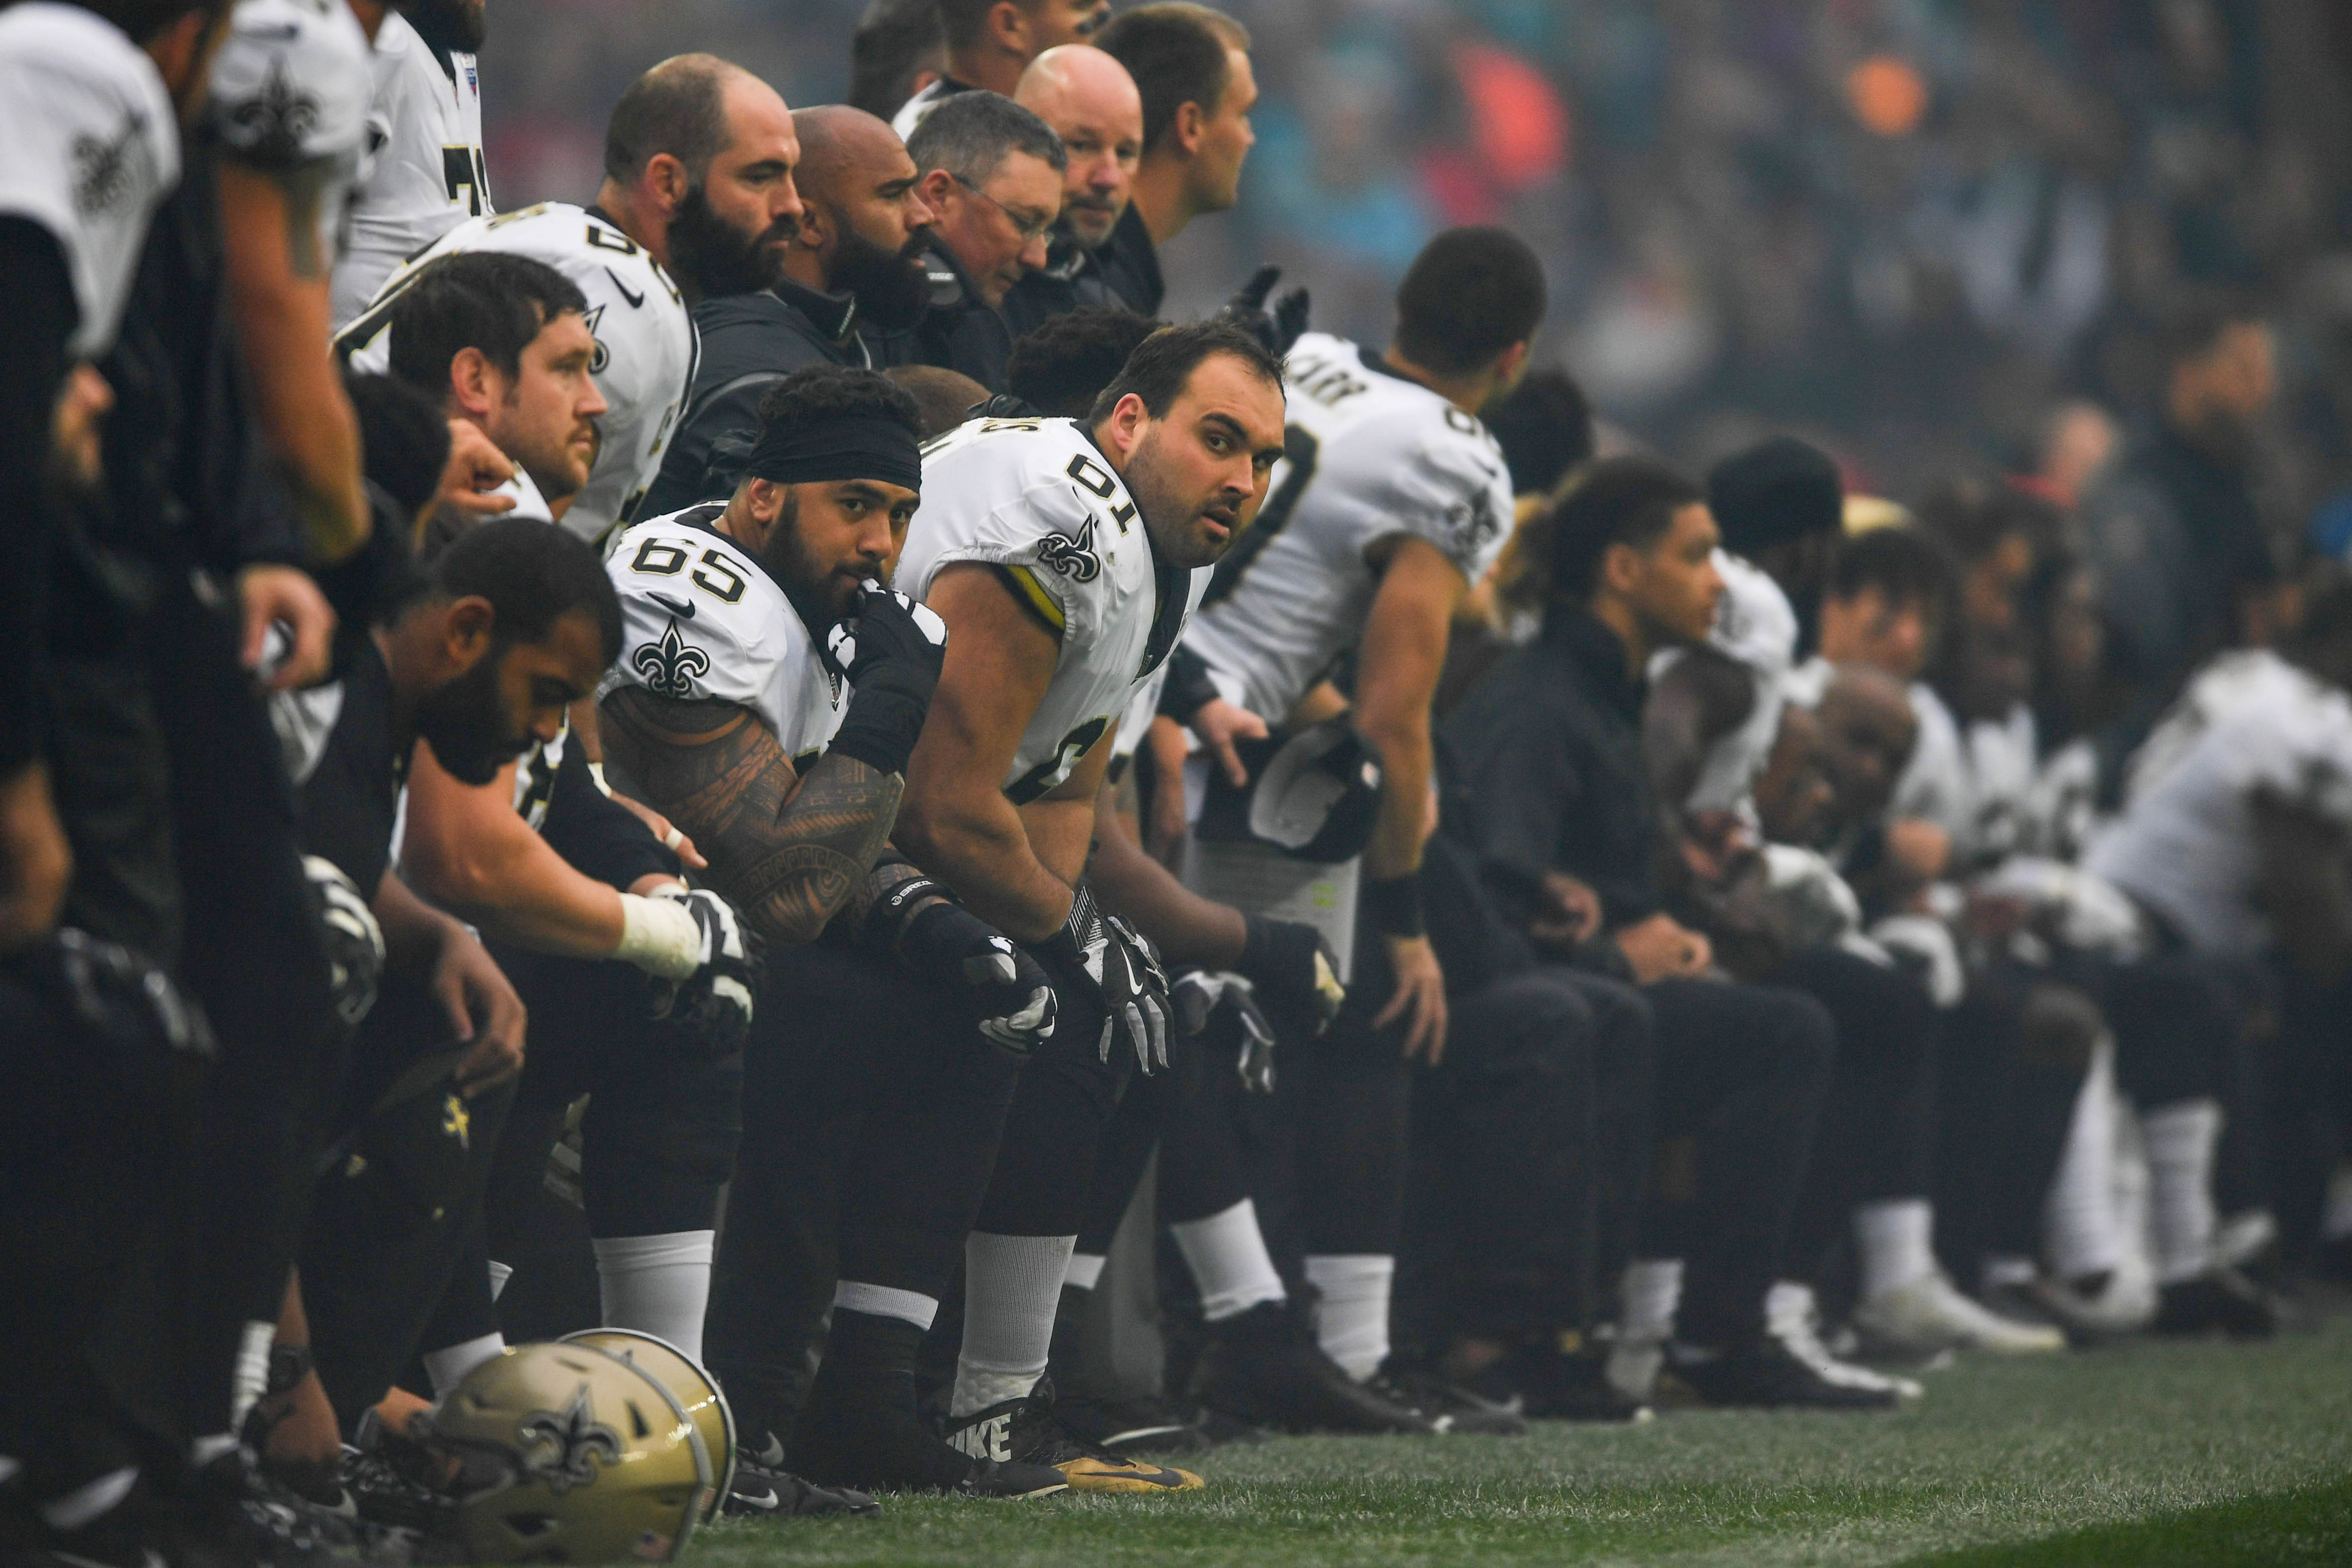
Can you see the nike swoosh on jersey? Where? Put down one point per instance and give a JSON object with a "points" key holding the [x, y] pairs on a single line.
{"points": [[683, 612], [636, 301]]}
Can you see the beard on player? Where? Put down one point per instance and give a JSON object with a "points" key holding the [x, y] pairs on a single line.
{"points": [[461, 22], [716, 258], [467, 723], [891, 287], [1189, 527], [823, 592]]}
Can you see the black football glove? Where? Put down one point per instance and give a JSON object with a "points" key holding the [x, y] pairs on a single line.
{"points": [[1277, 329], [1113, 962], [891, 652], [1207, 1000], [105, 995], [1012, 1002], [1291, 964], [708, 1013]]}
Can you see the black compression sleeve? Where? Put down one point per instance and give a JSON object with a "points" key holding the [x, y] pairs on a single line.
{"points": [[597, 837], [34, 331]]}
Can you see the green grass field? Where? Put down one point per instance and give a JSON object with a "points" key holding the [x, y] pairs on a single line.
{"points": [[2148, 1456]]}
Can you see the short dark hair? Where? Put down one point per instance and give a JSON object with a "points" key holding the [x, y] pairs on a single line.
{"points": [[1972, 514], [1176, 53], [142, 20], [1545, 427], [945, 397], [404, 439], [481, 300], [838, 391], [969, 135], [1469, 295], [894, 40], [1158, 370], [533, 573], [1907, 565], [1777, 490], [1629, 501], [1062, 365], [678, 107], [964, 21]]}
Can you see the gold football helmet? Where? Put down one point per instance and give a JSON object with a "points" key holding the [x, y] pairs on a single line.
{"points": [[695, 1391], [589, 1459]]}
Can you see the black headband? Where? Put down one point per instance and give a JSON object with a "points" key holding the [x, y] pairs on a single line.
{"points": [[854, 446]]}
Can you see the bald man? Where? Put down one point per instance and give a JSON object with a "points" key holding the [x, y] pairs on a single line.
{"points": [[855, 253], [1093, 105]]}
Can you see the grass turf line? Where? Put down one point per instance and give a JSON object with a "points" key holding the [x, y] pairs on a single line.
{"points": [[2157, 1454]]}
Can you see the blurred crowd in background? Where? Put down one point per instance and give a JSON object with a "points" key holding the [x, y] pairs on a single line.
{"points": [[1916, 230]]}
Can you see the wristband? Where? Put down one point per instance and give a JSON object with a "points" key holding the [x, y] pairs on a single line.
{"points": [[597, 771], [659, 936], [884, 720], [887, 923], [1188, 688], [1394, 905]]}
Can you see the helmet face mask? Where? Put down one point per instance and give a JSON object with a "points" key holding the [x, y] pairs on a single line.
{"points": [[685, 1381], [593, 1459]]}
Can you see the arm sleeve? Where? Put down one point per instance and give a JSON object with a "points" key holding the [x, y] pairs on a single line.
{"points": [[596, 836], [40, 320]]}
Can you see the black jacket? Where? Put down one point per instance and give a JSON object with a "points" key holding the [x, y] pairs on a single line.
{"points": [[1130, 264], [1549, 775], [1072, 280], [750, 342], [957, 333]]}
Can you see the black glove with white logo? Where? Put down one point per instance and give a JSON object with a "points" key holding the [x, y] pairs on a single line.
{"points": [[1278, 327], [708, 1013], [1293, 968], [891, 652], [1223, 1009], [1012, 1002], [1111, 960]]}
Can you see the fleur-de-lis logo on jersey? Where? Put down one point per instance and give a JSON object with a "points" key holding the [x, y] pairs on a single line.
{"points": [[669, 666], [273, 125], [1073, 558], [562, 1450]]}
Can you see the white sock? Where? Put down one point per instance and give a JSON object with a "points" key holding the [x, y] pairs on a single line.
{"points": [[2336, 1220], [1648, 1297], [2000, 1269], [1351, 1319], [1227, 1255], [449, 1365], [2181, 1138], [249, 1375], [1893, 1238], [658, 1284], [1086, 1267], [90, 1500], [2079, 1217], [500, 1274], [883, 1302], [1010, 1287]]}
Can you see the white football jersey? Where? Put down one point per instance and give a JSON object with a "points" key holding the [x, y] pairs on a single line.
{"points": [[1369, 455], [93, 148], [1935, 783], [1755, 628], [2225, 683], [646, 341], [2186, 847], [2002, 759], [702, 620], [425, 131], [289, 90], [1038, 501]]}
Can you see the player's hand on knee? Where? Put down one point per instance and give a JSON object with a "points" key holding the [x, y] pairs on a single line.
{"points": [[1223, 1008], [1292, 964], [1009, 997], [483, 1009], [1419, 999], [710, 1012], [1116, 966]]}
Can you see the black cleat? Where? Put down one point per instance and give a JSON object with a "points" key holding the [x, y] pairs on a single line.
{"points": [[764, 1489], [1764, 1374], [1025, 1432], [1448, 1406], [870, 1438], [1542, 1384], [2220, 1298], [1263, 1368], [1142, 1424]]}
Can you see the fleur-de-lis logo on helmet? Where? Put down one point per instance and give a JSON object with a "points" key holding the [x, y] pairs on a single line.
{"points": [[669, 666], [564, 1450]]}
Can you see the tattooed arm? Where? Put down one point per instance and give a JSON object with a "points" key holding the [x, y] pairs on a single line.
{"points": [[790, 852]]}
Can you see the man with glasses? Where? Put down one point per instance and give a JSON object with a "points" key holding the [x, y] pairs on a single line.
{"points": [[991, 42], [991, 174]]}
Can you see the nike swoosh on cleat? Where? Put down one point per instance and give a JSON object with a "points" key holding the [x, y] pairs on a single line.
{"points": [[1136, 1434], [636, 301]]}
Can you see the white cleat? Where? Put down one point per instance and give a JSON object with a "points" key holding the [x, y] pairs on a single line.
{"points": [[1930, 1315]]}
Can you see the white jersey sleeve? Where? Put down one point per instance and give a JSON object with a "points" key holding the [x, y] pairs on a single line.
{"points": [[92, 149], [1934, 785], [1036, 500], [290, 92], [1755, 628], [646, 343], [1369, 456], [703, 622], [426, 174]]}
